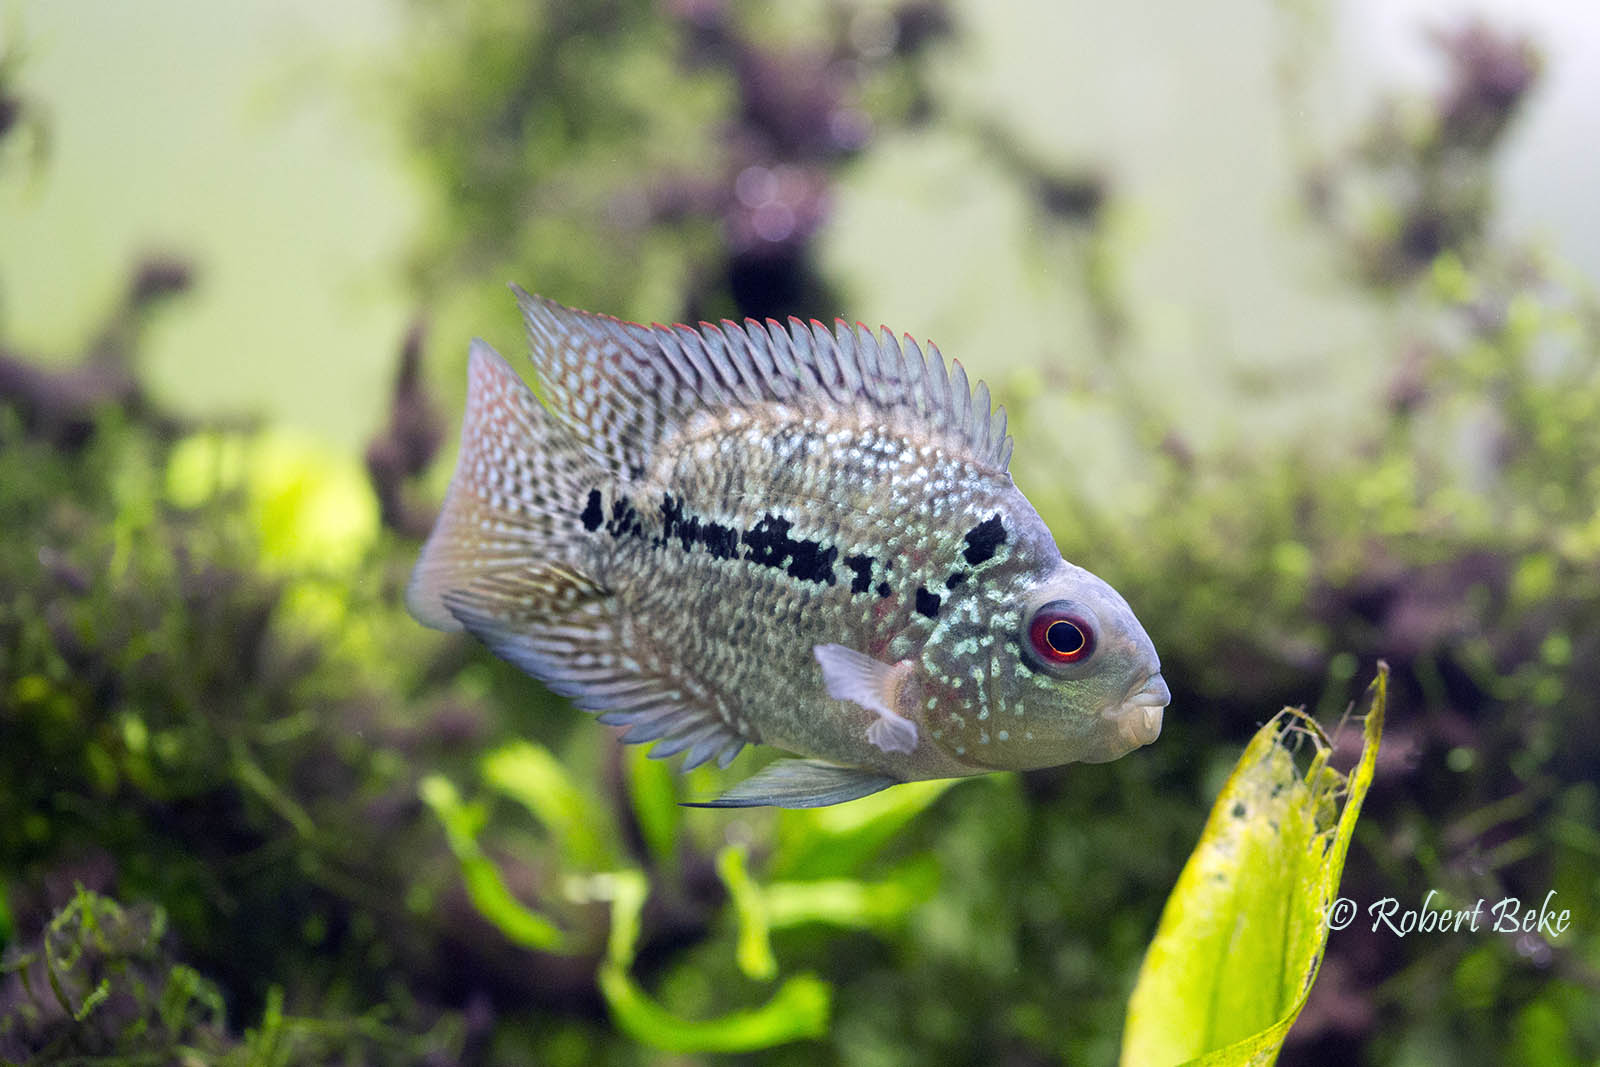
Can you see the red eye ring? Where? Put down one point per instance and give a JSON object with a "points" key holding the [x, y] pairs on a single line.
{"points": [[1060, 637]]}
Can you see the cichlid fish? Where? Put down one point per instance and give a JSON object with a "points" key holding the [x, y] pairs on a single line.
{"points": [[769, 533]]}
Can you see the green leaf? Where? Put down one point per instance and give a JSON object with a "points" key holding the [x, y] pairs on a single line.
{"points": [[798, 1010], [268, 1045], [532, 776], [486, 888], [849, 902], [760, 909], [186, 988], [835, 841], [1242, 934], [653, 794], [754, 953]]}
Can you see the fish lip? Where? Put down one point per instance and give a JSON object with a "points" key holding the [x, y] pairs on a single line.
{"points": [[1152, 693], [1138, 717]]}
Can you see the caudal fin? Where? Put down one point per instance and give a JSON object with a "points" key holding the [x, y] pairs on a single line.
{"points": [[503, 544], [505, 562]]}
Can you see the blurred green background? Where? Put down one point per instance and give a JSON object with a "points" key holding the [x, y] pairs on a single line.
{"points": [[1292, 304]]}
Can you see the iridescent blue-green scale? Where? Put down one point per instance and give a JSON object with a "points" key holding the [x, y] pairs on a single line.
{"points": [[759, 533]]}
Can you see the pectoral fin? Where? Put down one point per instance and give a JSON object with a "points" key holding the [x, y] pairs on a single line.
{"points": [[874, 685], [800, 783]]}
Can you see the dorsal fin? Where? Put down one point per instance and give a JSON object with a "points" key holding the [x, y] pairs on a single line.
{"points": [[621, 387]]}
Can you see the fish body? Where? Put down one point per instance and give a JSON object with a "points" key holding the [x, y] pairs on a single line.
{"points": [[780, 534]]}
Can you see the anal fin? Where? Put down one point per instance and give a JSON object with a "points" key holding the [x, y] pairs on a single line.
{"points": [[801, 783], [555, 624], [511, 611]]}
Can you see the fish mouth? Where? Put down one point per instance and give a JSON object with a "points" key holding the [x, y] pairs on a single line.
{"points": [[1138, 717]]}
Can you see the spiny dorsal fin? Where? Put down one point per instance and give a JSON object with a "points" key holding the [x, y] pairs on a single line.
{"points": [[621, 387]]}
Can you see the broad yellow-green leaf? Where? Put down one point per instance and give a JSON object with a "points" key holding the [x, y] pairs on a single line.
{"points": [[1242, 934]]}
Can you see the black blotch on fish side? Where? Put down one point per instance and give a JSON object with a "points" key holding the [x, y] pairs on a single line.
{"points": [[955, 579], [983, 539], [769, 544], [927, 603], [883, 589], [813, 563], [675, 523], [768, 541], [624, 519], [592, 515], [721, 541], [862, 566]]}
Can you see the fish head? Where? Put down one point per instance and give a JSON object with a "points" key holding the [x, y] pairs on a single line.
{"points": [[1057, 670]]}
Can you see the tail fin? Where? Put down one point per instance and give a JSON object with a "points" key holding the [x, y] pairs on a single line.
{"points": [[504, 562], [511, 513]]}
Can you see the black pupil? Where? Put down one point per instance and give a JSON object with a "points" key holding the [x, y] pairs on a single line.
{"points": [[1064, 637]]}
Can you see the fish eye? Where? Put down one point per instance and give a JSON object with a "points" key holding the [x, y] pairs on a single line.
{"points": [[1060, 636]]}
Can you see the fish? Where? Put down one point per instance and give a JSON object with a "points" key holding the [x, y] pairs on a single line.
{"points": [[773, 533]]}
